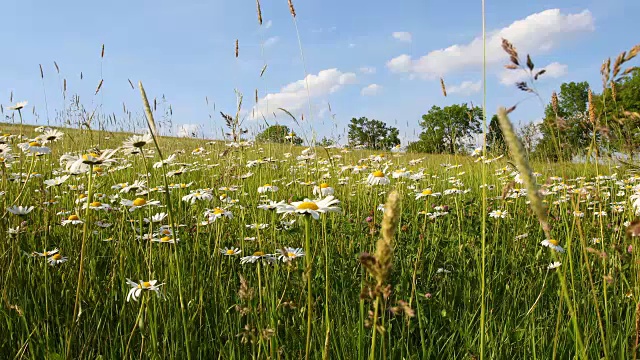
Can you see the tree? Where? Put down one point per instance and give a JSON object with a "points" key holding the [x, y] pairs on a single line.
{"points": [[326, 142], [278, 134], [448, 130], [566, 130], [373, 134], [495, 138], [619, 113]]}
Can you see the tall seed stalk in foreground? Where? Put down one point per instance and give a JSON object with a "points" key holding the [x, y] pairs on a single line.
{"points": [[519, 158], [379, 265], [152, 128]]}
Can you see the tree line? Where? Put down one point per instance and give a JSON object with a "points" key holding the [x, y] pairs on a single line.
{"points": [[575, 119]]}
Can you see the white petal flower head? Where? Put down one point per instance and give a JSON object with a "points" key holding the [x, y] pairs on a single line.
{"points": [[377, 178], [137, 141], [553, 244], [20, 210], [138, 287], [311, 207]]}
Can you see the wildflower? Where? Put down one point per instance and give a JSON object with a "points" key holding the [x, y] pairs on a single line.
{"points": [[20, 210], [230, 251], [197, 195], [18, 106], [553, 244], [97, 205], [255, 226], [56, 259], [137, 141], [165, 239], [166, 161], [426, 193], [289, 254], [73, 220], [138, 203], [498, 214], [45, 253], [554, 265], [137, 287], [157, 218], [81, 164], [267, 188], [258, 255], [51, 135], [311, 207], [137, 185], [34, 147], [377, 178], [57, 181], [215, 214], [323, 190], [271, 205]]}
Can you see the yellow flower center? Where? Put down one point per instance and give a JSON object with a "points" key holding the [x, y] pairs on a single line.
{"points": [[144, 285], [230, 252], [427, 192], [258, 253], [139, 202], [378, 173], [308, 205], [97, 169], [34, 143], [166, 231], [6, 134], [290, 254], [73, 217], [86, 156], [218, 211], [165, 239], [553, 242], [267, 185], [324, 186], [56, 257], [96, 204]]}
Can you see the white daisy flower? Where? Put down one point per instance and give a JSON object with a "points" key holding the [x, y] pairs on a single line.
{"points": [[377, 178], [137, 287], [56, 259], [289, 254], [72, 220], [323, 190], [230, 251], [311, 207], [20, 210], [553, 244], [137, 141], [267, 188]]}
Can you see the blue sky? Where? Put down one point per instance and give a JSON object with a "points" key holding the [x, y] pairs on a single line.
{"points": [[184, 50]]}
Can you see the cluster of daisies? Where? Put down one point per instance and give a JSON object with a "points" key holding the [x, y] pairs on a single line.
{"points": [[599, 198]]}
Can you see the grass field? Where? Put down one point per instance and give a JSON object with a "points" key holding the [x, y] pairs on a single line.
{"points": [[218, 277]]}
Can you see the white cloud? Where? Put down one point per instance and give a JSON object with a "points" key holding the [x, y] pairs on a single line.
{"points": [[293, 96], [553, 70], [465, 88], [371, 90], [268, 24], [188, 130], [402, 36], [368, 70], [352, 45], [271, 41], [539, 32]]}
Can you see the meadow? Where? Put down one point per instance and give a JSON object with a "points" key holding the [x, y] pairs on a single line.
{"points": [[235, 250]]}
